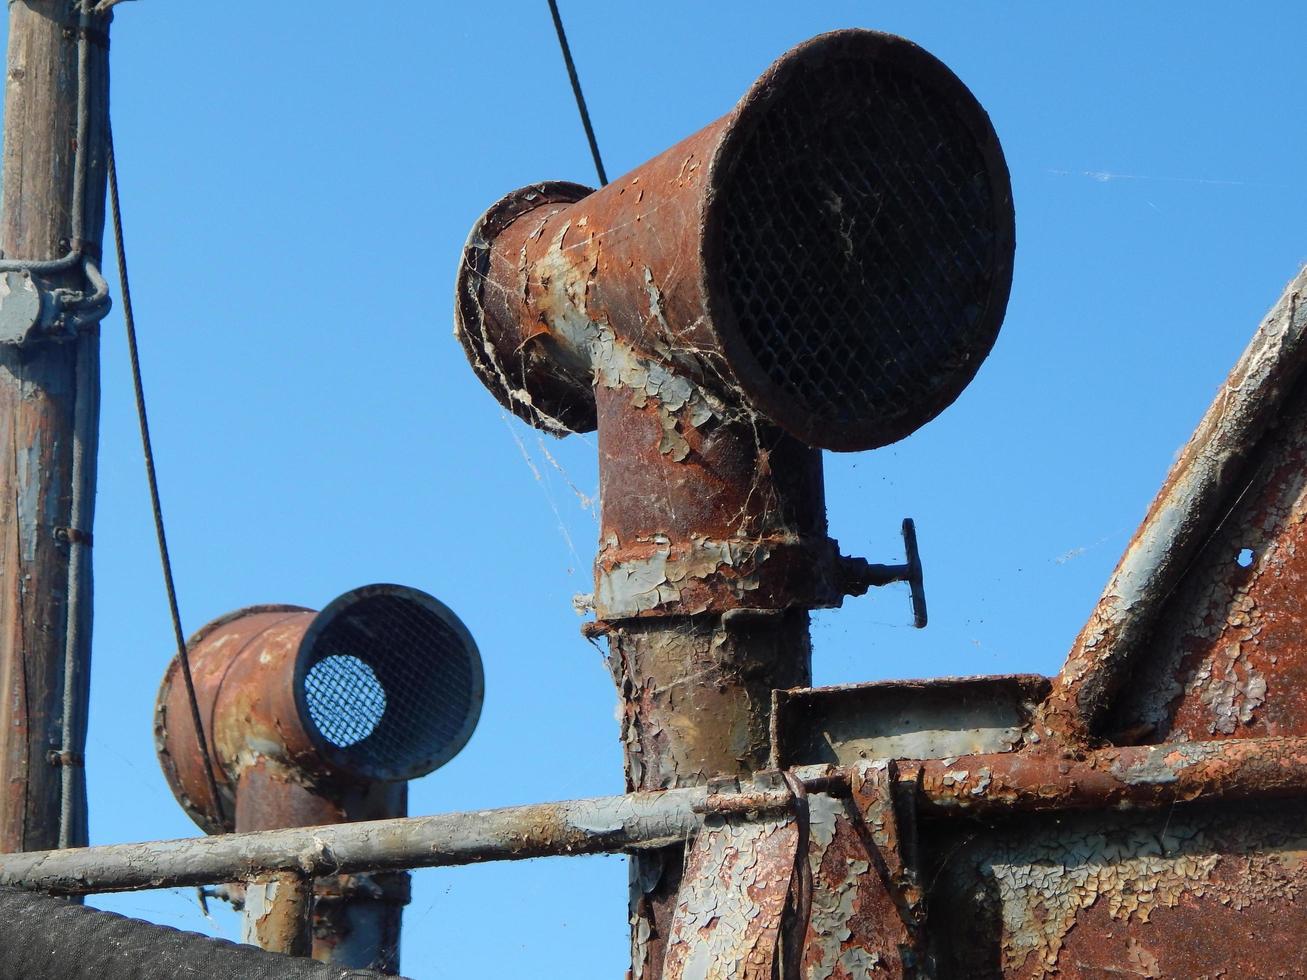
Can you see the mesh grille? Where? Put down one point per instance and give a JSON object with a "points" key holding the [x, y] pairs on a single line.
{"points": [[859, 236], [346, 701], [390, 684]]}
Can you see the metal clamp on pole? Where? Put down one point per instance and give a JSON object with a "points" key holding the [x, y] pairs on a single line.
{"points": [[861, 575], [31, 308]]}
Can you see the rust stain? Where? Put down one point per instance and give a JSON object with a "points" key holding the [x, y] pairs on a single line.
{"points": [[1192, 894], [1211, 475], [1232, 643]]}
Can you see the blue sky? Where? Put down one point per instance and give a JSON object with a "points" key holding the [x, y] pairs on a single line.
{"points": [[298, 180]]}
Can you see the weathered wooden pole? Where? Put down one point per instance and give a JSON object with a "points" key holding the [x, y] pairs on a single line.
{"points": [[49, 415]]}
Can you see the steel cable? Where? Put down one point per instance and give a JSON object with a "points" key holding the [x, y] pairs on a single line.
{"points": [[576, 91], [146, 446]]}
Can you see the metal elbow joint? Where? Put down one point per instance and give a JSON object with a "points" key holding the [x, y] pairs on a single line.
{"points": [[824, 267], [834, 254], [320, 718]]}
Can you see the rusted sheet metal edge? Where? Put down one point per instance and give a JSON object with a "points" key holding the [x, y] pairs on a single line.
{"points": [[1135, 777], [1194, 495], [1123, 778]]}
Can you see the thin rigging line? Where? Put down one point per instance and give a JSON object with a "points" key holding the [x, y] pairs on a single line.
{"points": [[147, 448], [576, 90]]}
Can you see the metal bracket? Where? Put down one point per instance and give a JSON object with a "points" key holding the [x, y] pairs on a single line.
{"points": [[859, 575], [73, 535], [20, 307], [31, 310], [727, 797], [887, 805]]}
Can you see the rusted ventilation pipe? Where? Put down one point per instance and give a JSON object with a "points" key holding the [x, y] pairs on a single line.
{"points": [[825, 266], [320, 718], [834, 254]]}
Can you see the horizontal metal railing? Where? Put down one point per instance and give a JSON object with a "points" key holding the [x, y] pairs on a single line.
{"points": [[1029, 780]]}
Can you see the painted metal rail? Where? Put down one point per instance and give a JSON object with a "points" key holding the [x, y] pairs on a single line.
{"points": [[992, 784]]}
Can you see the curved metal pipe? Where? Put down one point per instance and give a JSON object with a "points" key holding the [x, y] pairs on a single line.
{"points": [[321, 718]]}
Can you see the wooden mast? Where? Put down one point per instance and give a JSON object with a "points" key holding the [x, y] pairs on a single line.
{"points": [[49, 418]]}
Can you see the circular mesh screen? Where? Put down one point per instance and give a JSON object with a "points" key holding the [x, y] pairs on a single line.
{"points": [[390, 684], [859, 237], [346, 701]]}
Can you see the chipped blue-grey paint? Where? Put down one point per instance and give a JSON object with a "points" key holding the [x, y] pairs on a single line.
{"points": [[1192, 498]]}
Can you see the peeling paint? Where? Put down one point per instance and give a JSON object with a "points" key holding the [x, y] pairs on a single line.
{"points": [[1164, 764], [589, 344], [1044, 884], [276, 914], [1141, 961], [1185, 532], [32, 489], [857, 928], [655, 300], [833, 903], [728, 915], [678, 402], [1231, 691], [1186, 893], [640, 584]]}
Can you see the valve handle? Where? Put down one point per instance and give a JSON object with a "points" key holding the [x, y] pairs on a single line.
{"points": [[859, 575], [914, 576]]}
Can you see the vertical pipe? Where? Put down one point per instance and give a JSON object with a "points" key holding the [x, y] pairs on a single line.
{"points": [[356, 918], [277, 910], [44, 387], [696, 702], [696, 688]]}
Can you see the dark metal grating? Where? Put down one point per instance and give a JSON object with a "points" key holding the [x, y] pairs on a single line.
{"points": [[390, 685], [859, 243]]}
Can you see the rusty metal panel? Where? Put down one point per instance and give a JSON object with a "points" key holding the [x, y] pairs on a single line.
{"points": [[1223, 458], [1229, 653], [1147, 853], [928, 719], [1205, 892]]}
